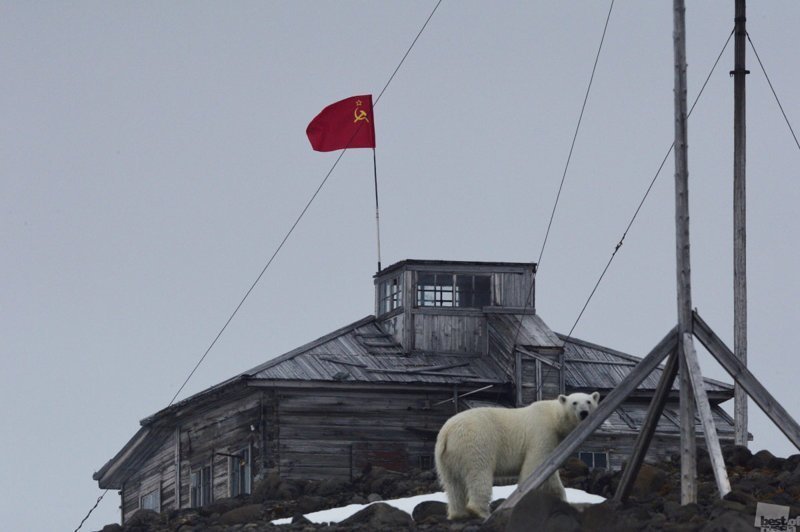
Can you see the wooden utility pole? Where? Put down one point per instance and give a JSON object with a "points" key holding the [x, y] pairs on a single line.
{"points": [[739, 219], [684, 285]]}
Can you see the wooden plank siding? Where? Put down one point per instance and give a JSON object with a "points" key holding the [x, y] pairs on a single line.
{"points": [[449, 333], [512, 290], [332, 434], [223, 429], [540, 380], [157, 473]]}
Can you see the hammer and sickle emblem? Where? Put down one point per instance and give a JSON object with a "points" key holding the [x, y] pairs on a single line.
{"points": [[359, 114]]}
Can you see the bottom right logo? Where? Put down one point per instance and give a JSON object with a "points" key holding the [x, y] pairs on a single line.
{"points": [[774, 518]]}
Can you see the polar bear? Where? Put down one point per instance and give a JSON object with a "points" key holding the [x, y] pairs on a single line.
{"points": [[475, 445]]}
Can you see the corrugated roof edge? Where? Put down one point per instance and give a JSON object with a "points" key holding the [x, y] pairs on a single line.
{"points": [[632, 358]]}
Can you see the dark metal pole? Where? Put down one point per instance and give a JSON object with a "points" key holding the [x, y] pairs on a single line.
{"points": [[377, 212], [684, 288], [739, 219]]}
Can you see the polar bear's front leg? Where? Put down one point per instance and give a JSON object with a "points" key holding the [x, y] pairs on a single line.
{"points": [[553, 483]]}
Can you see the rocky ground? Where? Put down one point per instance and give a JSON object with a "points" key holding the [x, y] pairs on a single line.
{"points": [[653, 505]]}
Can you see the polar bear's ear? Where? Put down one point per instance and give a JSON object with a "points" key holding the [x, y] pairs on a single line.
{"points": [[562, 399], [596, 396]]}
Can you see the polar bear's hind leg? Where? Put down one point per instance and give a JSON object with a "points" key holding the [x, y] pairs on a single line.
{"points": [[479, 492]]}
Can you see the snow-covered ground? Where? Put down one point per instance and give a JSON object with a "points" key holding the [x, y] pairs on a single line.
{"points": [[407, 504]]}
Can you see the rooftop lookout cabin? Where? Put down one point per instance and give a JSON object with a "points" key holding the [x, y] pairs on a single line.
{"points": [[445, 336]]}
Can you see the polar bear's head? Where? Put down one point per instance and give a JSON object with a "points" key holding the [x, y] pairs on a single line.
{"points": [[580, 405]]}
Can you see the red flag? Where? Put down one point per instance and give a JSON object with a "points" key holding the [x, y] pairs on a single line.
{"points": [[348, 123]]}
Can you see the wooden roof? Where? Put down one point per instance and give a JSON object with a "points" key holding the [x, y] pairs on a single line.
{"points": [[364, 352], [590, 366], [527, 330], [456, 264]]}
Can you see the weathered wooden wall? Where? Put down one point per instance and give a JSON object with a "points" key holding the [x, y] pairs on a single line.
{"points": [[335, 434], [157, 472], [453, 331], [541, 377], [225, 428], [512, 290]]}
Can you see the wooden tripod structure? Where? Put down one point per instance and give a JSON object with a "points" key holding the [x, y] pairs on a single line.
{"points": [[677, 346]]}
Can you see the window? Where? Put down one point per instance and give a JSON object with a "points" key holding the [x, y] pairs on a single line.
{"points": [[151, 501], [390, 294], [426, 462], [200, 483], [240, 473], [448, 290], [594, 460]]}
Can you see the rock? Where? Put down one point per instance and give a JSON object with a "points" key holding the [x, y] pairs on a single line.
{"points": [[741, 497], [301, 520], [549, 513], [601, 516], [766, 460], [288, 490], [330, 487], [427, 509], [113, 527], [143, 520], [574, 467], [649, 481], [312, 503], [730, 521], [374, 497], [379, 516], [497, 521], [242, 515], [265, 489], [358, 499], [792, 462], [737, 456]]}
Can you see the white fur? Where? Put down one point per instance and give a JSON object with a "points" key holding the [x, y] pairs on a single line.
{"points": [[478, 444]]}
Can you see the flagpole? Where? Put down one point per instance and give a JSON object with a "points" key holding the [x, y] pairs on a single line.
{"points": [[377, 211]]}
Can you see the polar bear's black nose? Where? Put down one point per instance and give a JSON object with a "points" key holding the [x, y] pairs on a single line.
{"points": [[584, 414]]}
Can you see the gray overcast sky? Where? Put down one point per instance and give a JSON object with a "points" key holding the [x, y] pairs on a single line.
{"points": [[153, 154]]}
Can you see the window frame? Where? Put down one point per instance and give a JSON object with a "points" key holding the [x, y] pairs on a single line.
{"points": [[201, 493], [156, 493], [240, 476], [594, 456], [445, 290], [390, 294]]}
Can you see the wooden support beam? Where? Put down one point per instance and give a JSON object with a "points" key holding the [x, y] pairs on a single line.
{"points": [[683, 268], [739, 218], [648, 428], [706, 417], [585, 429], [741, 375]]}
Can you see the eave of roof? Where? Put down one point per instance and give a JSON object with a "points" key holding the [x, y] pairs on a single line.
{"points": [[456, 263]]}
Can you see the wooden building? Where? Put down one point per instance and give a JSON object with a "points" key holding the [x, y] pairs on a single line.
{"points": [[445, 336]]}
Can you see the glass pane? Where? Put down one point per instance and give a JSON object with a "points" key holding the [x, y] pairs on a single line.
{"points": [[586, 458], [444, 288], [464, 291], [483, 291], [601, 460], [426, 283]]}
